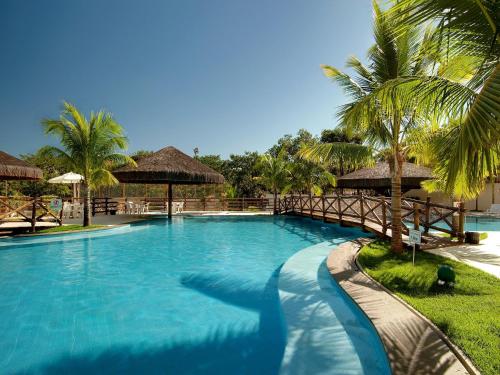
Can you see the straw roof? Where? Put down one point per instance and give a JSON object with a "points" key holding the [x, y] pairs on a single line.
{"points": [[379, 177], [12, 168], [169, 165]]}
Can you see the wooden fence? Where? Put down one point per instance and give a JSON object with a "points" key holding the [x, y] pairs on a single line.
{"points": [[108, 205], [27, 209], [374, 213]]}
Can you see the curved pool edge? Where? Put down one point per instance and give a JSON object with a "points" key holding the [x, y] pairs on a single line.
{"points": [[412, 342], [327, 333], [8, 242]]}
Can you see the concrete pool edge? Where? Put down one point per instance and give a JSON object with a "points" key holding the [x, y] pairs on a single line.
{"points": [[327, 333], [413, 343]]}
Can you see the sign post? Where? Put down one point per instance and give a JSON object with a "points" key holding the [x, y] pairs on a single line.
{"points": [[415, 239]]}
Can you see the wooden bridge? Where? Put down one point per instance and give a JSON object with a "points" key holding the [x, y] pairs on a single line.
{"points": [[373, 214]]}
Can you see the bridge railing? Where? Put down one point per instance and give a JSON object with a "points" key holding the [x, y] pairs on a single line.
{"points": [[375, 212]]}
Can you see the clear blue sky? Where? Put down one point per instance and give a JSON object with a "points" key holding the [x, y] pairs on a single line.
{"points": [[224, 75]]}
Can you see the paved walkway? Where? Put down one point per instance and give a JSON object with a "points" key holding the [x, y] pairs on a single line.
{"points": [[412, 344], [485, 256]]}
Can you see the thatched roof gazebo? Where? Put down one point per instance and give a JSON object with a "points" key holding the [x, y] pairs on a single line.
{"points": [[378, 177], [168, 166], [12, 168]]}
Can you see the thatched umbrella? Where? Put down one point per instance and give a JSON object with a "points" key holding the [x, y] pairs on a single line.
{"points": [[378, 177], [12, 168], [168, 166]]}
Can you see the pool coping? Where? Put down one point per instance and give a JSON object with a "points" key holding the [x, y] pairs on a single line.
{"points": [[379, 303]]}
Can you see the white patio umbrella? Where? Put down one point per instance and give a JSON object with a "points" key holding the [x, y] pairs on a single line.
{"points": [[69, 178]]}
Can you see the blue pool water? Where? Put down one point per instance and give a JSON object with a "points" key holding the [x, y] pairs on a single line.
{"points": [[186, 296], [482, 224]]}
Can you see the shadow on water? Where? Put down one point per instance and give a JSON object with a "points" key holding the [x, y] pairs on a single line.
{"points": [[228, 350]]}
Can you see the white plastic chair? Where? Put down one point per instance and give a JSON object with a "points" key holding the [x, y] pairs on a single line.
{"points": [[76, 210], [67, 210], [131, 209], [179, 207]]}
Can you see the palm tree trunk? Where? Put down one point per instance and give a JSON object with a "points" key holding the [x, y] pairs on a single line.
{"points": [[396, 226], [86, 207]]}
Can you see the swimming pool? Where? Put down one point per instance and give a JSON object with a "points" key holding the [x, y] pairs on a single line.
{"points": [[482, 224], [187, 296]]}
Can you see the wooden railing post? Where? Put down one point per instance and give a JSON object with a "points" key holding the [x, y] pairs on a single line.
{"points": [[311, 205], [384, 216], [362, 210], [339, 205], [300, 203], [427, 214], [323, 207], [33, 214], [461, 222], [416, 216], [106, 208]]}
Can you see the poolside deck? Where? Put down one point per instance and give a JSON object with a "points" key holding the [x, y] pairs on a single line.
{"points": [[485, 256], [413, 344]]}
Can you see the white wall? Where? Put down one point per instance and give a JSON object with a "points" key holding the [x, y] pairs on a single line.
{"points": [[484, 200]]}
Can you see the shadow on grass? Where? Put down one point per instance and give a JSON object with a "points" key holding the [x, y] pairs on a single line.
{"points": [[396, 272]]}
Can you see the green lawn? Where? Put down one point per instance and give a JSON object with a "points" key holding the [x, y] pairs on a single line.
{"points": [[71, 227], [469, 313]]}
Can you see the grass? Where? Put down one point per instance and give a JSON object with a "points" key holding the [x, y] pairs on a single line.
{"points": [[71, 227], [468, 313]]}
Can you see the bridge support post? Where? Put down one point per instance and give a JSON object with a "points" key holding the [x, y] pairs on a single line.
{"points": [[339, 205], [384, 217], [427, 214], [362, 211], [416, 220], [323, 207]]}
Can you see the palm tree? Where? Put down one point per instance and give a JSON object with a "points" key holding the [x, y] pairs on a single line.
{"points": [[468, 31], [341, 157], [90, 147], [275, 175], [384, 123]]}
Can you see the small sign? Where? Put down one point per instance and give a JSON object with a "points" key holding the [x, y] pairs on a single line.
{"points": [[55, 204], [415, 237]]}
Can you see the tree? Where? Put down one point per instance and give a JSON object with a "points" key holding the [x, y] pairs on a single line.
{"points": [[338, 157], [467, 32], [51, 167], [291, 145], [90, 147], [275, 174], [240, 171], [339, 135], [213, 161], [384, 123]]}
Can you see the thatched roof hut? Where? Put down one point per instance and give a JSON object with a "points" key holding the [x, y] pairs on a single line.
{"points": [[12, 168], [168, 166], [378, 177]]}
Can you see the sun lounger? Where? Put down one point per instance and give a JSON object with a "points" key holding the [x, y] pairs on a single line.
{"points": [[494, 209]]}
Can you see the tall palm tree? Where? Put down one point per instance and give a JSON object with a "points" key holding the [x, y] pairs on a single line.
{"points": [[275, 174], [90, 147], [384, 124], [467, 30]]}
